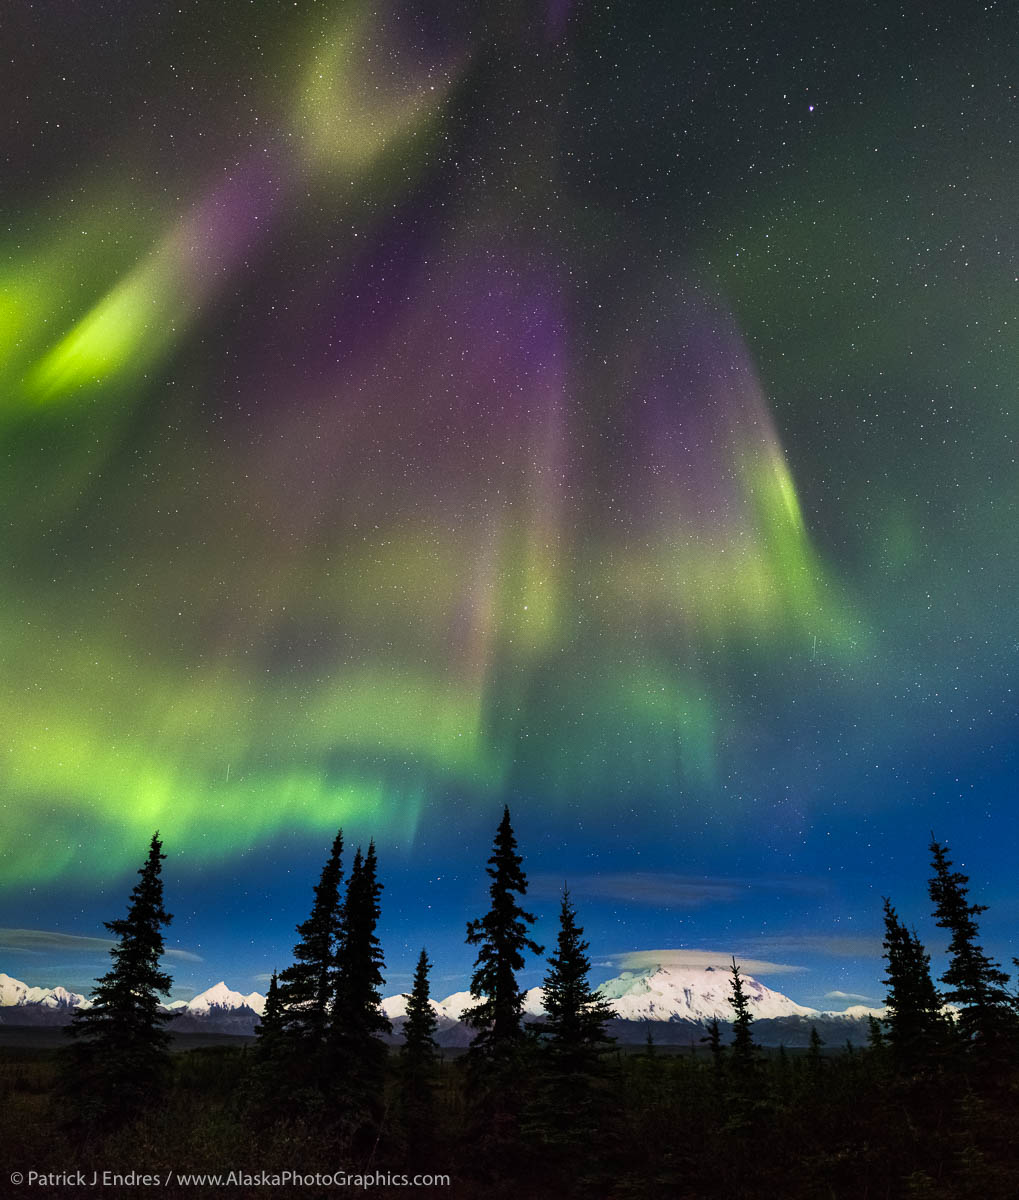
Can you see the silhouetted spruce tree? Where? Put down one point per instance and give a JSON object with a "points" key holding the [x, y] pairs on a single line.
{"points": [[357, 1016], [500, 1057], [273, 1072], [270, 1028], [502, 937], [714, 1041], [120, 1058], [568, 1094], [742, 1096], [308, 986], [419, 1048], [915, 1026], [418, 1074], [814, 1049], [976, 983], [576, 1018], [743, 1052]]}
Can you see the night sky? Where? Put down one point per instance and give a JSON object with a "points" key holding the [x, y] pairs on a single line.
{"points": [[604, 409]]}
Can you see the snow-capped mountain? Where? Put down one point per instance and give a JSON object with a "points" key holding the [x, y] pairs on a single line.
{"points": [[395, 1008], [454, 1006], [24, 1005], [447, 1027], [218, 1009], [15, 994], [691, 994], [220, 997], [677, 1003], [664, 994]]}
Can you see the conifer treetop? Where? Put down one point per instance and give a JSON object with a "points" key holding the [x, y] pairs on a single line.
{"points": [[136, 978], [308, 985], [357, 1000], [743, 1048], [974, 981], [421, 1020], [120, 1055], [576, 1013], [271, 1022], [501, 935]]}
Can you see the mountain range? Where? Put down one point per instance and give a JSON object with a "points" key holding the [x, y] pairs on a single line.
{"points": [[674, 1004]]}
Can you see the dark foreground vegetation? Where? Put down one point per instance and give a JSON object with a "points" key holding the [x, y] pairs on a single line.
{"points": [[668, 1126], [928, 1110]]}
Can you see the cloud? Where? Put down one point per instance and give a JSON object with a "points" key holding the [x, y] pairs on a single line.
{"points": [[836, 945], [42, 941], [265, 977], [637, 959], [664, 889], [837, 995], [183, 956]]}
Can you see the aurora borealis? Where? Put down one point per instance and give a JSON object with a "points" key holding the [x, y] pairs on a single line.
{"points": [[610, 414]]}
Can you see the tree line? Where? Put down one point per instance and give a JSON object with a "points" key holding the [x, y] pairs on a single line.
{"points": [[319, 1051]]}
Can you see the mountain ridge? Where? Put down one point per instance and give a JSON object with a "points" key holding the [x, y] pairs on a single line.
{"points": [[673, 1003]]}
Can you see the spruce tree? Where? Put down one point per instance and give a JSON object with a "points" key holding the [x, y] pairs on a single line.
{"points": [[270, 1028], [743, 1051], [357, 1003], [567, 1093], [357, 1016], [274, 1074], [121, 1054], [308, 986], [915, 1026], [502, 937], [419, 1046], [576, 1013], [975, 982], [743, 1099], [814, 1049], [418, 1063], [713, 1038]]}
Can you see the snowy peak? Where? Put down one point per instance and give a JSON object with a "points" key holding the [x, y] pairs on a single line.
{"points": [[395, 1007], [220, 998], [14, 993], [691, 994], [534, 1002], [454, 1006], [217, 1000], [664, 994], [60, 997], [860, 1011]]}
